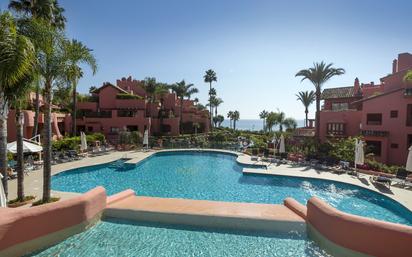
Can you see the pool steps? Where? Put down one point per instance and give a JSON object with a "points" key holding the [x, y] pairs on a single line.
{"points": [[202, 213]]}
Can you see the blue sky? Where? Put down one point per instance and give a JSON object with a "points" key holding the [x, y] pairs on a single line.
{"points": [[256, 47]]}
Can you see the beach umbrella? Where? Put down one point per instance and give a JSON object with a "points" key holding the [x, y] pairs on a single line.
{"points": [[409, 160], [146, 138], [83, 141], [282, 144], [3, 199], [28, 147]]}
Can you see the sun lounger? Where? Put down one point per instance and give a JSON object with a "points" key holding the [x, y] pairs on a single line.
{"points": [[385, 181], [401, 177]]}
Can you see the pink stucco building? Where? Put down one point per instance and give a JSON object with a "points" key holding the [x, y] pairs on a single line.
{"points": [[124, 107], [111, 109], [381, 113]]}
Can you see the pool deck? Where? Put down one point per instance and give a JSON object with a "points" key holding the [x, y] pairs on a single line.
{"points": [[34, 181], [231, 215]]}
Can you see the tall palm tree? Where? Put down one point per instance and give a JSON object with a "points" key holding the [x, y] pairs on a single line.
{"points": [[216, 101], [230, 116], [306, 98], [220, 119], [271, 120], [236, 117], [182, 90], [210, 77], [17, 60], [49, 43], [77, 54], [319, 74], [51, 12], [48, 10], [263, 115]]}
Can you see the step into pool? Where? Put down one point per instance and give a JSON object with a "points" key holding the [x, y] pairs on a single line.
{"points": [[116, 237]]}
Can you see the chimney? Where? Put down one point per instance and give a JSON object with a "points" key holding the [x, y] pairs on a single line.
{"points": [[356, 87], [394, 66], [372, 83]]}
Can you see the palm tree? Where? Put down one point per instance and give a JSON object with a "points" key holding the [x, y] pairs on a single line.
{"points": [[216, 101], [210, 77], [271, 120], [306, 98], [319, 74], [230, 116], [263, 115], [236, 117], [77, 54], [290, 123], [182, 90], [49, 43], [17, 60], [47, 10], [220, 119]]}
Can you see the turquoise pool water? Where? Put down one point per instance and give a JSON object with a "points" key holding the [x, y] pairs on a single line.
{"points": [[124, 238], [217, 176]]}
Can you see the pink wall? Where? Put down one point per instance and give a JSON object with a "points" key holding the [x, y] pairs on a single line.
{"points": [[350, 118], [364, 235], [25, 224], [398, 131]]}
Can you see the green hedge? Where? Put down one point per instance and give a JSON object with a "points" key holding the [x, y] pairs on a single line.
{"points": [[128, 96], [73, 143]]}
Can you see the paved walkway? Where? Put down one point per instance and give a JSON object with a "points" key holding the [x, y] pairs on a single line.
{"points": [[34, 181]]}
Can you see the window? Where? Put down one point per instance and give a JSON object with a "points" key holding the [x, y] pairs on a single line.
{"points": [[337, 129], [409, 115], [394, 114], [132, 128], [114, 130], [340, 106], [374, 119], [395, 146], [374, 147], [126, 113]]}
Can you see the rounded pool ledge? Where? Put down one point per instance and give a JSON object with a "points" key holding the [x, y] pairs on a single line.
{"points": [[242, 159]]}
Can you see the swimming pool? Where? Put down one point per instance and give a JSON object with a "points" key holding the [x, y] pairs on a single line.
{"points": [[217, 176], [115, 237]]}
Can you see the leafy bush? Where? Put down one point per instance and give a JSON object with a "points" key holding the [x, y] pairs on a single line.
{"points": [[127, 96], [73, 143]]}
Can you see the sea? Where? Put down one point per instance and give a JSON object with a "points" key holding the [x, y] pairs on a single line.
{"points": [[253, 125]]}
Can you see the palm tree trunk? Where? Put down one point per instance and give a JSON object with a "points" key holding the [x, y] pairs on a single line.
{"points": [[317, 129], [234, 124], [47, 142], [4, 111], [74, 113], [264, 125], [210, 104], [306, 117], [20, 156], [181, 116], [36, 111]]}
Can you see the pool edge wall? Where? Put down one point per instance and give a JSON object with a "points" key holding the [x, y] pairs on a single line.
{"points": [[345, 234], [30, 229]]}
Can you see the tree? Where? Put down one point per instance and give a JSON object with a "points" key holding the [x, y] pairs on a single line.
{"points": [[318, 75], [92, 89], [50, 12], [236, 117], [306, 98], [271, 120], [47, 10], [408, 76], [182, 90], [77, 54], [149, 86], [17, 60], [263, 115], [220, 119], [216, 101], [210, 77], [51, 65], [290, 123], [230, 116]]}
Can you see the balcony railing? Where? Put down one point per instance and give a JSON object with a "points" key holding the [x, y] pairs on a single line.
{"points": [[375, 133], [89, 114]]}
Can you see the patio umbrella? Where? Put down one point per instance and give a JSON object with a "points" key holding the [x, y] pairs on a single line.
{"points": [[3, 199], [409, 160], [359, 153], [28, 147], [146, 138], [282, 144], [83, 141]]}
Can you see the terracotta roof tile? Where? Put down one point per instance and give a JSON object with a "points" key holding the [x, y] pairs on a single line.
{"points": [[338, 92]]}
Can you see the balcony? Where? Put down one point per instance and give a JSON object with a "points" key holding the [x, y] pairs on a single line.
{"points": [[90, 114], [304, 132], [374, 133]]}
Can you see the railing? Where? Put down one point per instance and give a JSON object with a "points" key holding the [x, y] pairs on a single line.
{"points": [[90, 114]]}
